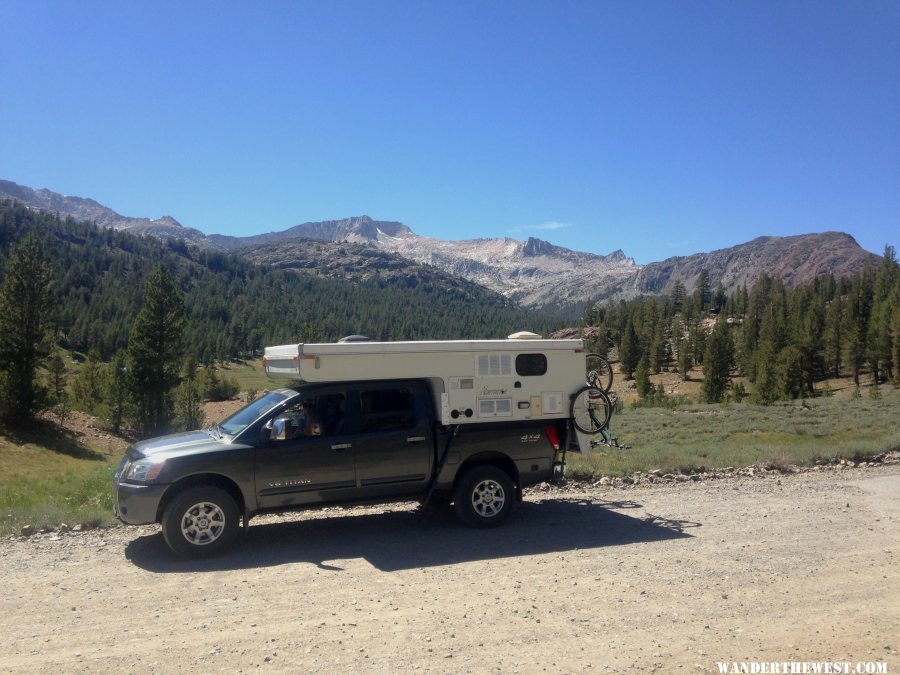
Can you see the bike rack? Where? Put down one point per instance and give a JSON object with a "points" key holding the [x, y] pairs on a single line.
{"points": [[609, 440]]}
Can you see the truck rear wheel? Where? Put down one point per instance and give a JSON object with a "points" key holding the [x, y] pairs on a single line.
{"points": [[484, 496], [200, 522]]}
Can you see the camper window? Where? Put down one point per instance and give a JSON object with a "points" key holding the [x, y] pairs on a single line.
{"points": [[494, 365], [528, 365]]}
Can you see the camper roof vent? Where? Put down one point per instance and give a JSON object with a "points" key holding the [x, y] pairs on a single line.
{"points": [[525, 335]]}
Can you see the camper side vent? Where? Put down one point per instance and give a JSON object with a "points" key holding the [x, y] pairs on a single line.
{"points": [[495, 407], [494, 365]]}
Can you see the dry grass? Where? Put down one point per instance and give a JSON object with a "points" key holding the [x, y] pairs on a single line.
{"points": [[798, 432]]}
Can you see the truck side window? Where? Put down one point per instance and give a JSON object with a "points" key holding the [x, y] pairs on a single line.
{"points": [[321, 416], [387, 409], [531, 365], [288, 424], [332, 412]]}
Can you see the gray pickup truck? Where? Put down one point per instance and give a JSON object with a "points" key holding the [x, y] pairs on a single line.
{"points": [[336, 443]]}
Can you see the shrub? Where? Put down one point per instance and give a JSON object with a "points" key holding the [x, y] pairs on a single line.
{"points": [[215, 388]]}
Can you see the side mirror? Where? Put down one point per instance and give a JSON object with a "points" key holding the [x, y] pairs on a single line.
{"points": [[280, 428], [265, 433]]}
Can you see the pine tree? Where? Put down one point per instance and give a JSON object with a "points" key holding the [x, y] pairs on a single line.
{"points": [[854, 329], [789, 372], [720, 298], [629, 351], [658, 349], [684, 358], [89, 385], [810, 341], [756, 303], [677, 295], [56, 379], [642, 378], [765, 387], [895, 335], [698, 342], [188, 411], [879, 340], [717, 363], [154, 352], [27, 308], [833, 337], [702, 294]]}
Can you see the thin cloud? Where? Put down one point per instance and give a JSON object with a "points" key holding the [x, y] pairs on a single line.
{"points": [[550, 225]]}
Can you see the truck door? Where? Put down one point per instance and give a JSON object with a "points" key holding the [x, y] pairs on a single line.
{"points": [[394, 444], [309, 457]]}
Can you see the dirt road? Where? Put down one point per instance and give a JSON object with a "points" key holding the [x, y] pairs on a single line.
{"points": [[677, 577]]}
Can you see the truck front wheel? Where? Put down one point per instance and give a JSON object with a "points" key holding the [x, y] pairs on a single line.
{"points": [[484, 496], [200, 522]]}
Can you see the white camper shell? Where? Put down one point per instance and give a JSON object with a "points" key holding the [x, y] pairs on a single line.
{"points": [[472, 380]]}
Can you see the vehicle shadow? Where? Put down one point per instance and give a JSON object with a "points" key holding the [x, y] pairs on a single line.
{"points": [[401, 540]]}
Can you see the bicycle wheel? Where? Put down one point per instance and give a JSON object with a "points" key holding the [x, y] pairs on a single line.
{"points": [[599, 372], [590, 410]]}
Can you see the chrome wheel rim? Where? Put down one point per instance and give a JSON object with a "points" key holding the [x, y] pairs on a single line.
{"points": [[203, 523], [488, 498]]}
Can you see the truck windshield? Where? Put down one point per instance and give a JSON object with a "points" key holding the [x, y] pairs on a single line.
{"points": [[247, 415]]}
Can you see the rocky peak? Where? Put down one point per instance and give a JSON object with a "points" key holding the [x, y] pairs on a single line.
{"points": [[535, 247], [167, 221], [619, 256]]}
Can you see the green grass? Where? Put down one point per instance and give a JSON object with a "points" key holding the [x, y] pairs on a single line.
{"points": [[50, 478], [738, 435], [74, 498], [251, 376]]}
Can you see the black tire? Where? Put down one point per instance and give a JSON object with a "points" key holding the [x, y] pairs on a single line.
{"points": [[599, 372], [484, 496], [590, 410], [201, 522]]}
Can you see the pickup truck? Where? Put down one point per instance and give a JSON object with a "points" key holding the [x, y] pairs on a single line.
{"points": [[334, 443]]}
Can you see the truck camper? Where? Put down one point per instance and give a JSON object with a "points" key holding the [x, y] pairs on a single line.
{"points": [[471, 381], [463, 422]]}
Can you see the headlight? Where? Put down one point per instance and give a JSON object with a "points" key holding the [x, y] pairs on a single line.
{"points": [[143, 470], [120, 472]]}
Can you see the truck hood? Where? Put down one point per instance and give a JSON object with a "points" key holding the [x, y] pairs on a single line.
{"points": [[188, 442]]}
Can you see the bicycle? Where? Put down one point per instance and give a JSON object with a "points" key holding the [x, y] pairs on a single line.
{"points": [[590, 409], [599, 372]]}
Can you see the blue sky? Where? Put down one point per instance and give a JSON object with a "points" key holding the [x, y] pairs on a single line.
{"points": [[658, 128]]}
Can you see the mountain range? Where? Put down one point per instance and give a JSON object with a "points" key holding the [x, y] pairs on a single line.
{"points": [[533, 273]]}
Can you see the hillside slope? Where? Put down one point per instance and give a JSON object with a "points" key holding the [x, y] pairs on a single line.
{"points": [[533, 273], [795, 260], [235, 306]]}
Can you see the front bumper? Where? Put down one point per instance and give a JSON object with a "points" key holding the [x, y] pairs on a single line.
{"points": [[137, 504]]}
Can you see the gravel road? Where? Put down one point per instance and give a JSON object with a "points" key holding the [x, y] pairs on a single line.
{"points": [[676, 577]]}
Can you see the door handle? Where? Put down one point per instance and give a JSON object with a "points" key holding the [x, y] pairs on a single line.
{"points": [[341, 446], [414, 439]]}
